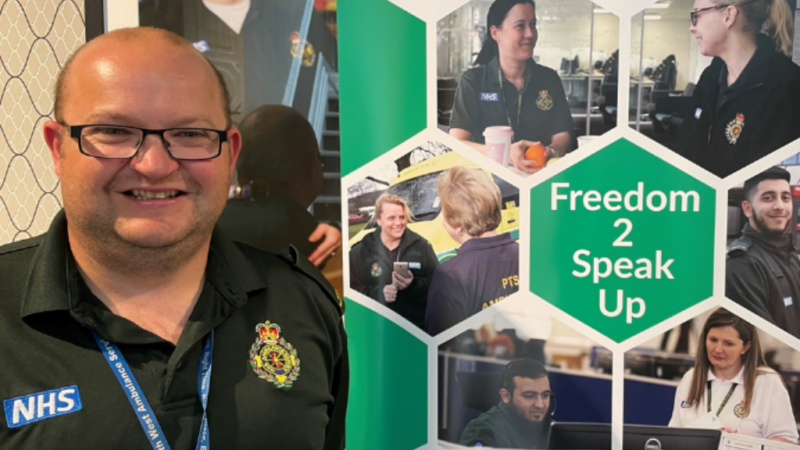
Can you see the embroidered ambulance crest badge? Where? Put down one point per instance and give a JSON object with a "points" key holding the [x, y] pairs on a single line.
{"points": [[544, 102], [376, 270], [272, 358], [740, 411], [734, 129]]}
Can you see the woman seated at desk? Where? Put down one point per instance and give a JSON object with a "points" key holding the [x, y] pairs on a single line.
{"points": [[731, 383], [509, 89]]}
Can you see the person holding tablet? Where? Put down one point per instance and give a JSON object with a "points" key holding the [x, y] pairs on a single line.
{"points": [[731, 386], [747, 101], [507, 88], [372, 262]]}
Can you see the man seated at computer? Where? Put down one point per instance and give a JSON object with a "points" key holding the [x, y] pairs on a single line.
{"points": [[522, 418], [731, 386]]}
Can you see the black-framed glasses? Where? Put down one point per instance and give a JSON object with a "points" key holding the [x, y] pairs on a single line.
{"points": [[123, 142], [693, 14]]}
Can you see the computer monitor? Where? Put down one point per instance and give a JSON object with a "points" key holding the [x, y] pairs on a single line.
{"points": [[597, 436]]}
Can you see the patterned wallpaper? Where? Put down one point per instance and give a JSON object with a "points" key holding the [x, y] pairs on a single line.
{"points": [[36, 36]]}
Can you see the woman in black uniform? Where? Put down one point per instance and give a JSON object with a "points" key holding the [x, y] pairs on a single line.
{"points": [[747, 101], [509, 89]]}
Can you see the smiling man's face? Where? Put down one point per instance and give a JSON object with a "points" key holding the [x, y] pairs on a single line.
{"points": [[151, 200], [531, 397], [770, 208]]}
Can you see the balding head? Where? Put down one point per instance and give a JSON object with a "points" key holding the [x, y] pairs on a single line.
{"points": [[144, 39]]}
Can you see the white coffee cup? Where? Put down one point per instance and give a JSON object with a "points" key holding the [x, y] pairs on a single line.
{"points": [[498, 143], [585, 140]]}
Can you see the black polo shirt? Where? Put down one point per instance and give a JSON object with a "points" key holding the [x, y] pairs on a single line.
{"points": [[480, 102], [47, 314]]}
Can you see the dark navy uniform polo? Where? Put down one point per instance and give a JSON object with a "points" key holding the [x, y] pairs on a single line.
{"points": [[47, 315], [763, 275], [480, 102], [730, 127], [484, 272]]}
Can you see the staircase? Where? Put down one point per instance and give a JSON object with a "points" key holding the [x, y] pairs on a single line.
{"points": [[327, 207]]}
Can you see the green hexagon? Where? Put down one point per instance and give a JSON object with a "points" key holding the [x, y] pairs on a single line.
{"points": [[640, 230]]}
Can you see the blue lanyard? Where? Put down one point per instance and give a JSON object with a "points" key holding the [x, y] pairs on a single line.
{"points": [[145, 414]]}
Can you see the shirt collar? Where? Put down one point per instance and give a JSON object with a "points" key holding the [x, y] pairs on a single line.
{"points": [[493, 66], [50, 280], [738, 379], [487, 242], [755, 71]]}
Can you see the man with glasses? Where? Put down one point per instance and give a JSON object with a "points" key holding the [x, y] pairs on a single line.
{"points": [[133, 323], [522, 417]]}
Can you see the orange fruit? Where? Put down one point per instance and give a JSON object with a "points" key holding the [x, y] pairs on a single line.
{"points": [[536, 152]]}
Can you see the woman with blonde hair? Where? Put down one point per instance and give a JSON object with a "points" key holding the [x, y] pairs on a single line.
{"points": [[732, 386], [372, 261], [486, 268], [746, 102]]}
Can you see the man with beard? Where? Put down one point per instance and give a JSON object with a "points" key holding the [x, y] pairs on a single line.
{"points": [[763, 271], [522, 418]]}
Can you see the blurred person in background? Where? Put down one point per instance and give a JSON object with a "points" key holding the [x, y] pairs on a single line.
{"points": [[280, 175]]}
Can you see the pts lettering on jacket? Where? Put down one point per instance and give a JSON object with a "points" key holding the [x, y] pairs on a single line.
{"points": [[41, 405]]}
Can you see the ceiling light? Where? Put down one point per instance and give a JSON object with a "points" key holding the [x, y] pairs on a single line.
{"points": [[658, 6], [652, 17]]}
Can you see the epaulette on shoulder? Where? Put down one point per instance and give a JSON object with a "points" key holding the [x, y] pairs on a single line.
{"points": [[20, 245], [739, 247], [301, 263]]}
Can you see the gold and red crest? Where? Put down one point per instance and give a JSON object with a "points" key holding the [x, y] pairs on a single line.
{"points": [[734, 129], [545, 101], [273, 358]]}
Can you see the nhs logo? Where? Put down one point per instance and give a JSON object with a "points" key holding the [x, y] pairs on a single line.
{"points": [[43, 405], [489, 96]]}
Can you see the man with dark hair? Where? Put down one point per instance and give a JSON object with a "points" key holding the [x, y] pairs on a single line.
{"points": [[762, 269], [280, 174], [522, 417]]}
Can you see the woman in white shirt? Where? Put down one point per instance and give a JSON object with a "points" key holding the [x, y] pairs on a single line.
{"points": [[731, 385]]}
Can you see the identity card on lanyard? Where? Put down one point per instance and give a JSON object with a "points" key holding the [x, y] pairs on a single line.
{"points": [[145, 414]]}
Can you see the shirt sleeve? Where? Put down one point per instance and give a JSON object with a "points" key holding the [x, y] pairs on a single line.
{"points": [[779, 418], [444, 302], [562, 116], [466, 107], [477, 432], [680, 396], [747, 284], [335, 431]]}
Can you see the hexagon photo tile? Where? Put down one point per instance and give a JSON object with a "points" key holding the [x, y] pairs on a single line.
{"points": [[526, 85], [514, 373], [432, 236], [754, 392], [762, 269], [719, 105]]}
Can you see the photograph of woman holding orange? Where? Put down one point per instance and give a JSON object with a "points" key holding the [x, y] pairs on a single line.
{"points": [[508, 88]]}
